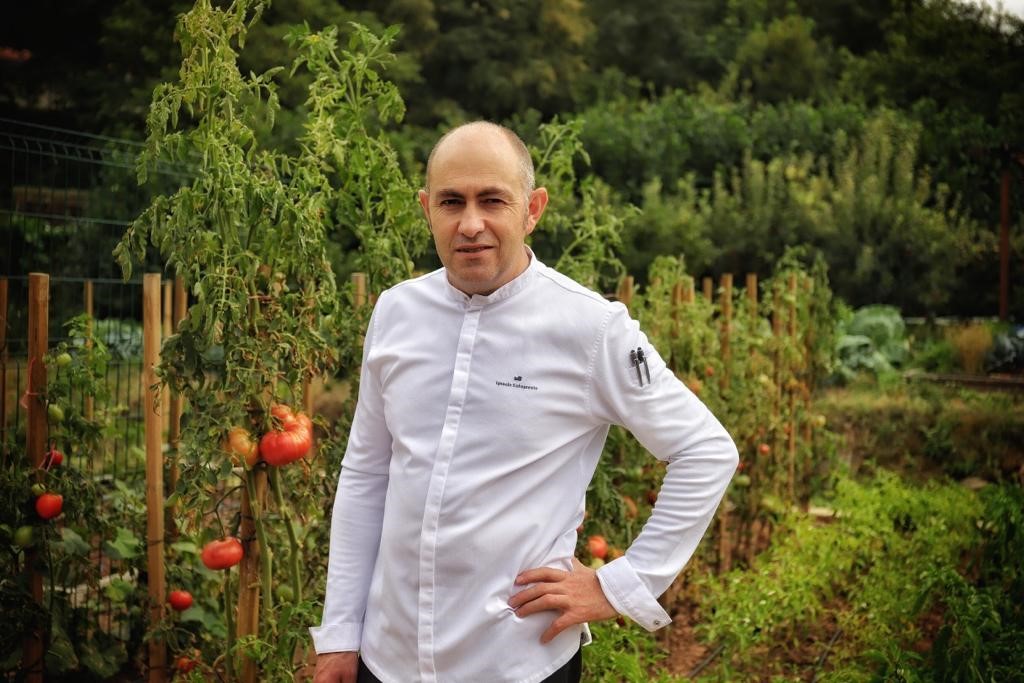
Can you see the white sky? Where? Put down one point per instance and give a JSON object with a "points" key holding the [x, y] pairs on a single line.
{"points": [[1012, 6]]}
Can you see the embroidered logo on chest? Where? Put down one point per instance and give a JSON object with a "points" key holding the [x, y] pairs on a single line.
{"points": [[516, 383]]}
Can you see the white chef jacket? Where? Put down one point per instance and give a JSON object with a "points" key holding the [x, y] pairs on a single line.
{"points": [[479, 424]]}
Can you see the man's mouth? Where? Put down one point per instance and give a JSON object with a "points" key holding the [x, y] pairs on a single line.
{"points": [[475, 249]]}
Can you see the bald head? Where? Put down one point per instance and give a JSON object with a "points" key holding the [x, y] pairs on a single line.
{"points": [[487, 132]]}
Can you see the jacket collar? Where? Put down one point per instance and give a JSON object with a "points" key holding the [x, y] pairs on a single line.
{"points": [[509, 289]]}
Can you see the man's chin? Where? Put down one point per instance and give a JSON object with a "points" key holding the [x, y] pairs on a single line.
{"points": [[474, 282]]}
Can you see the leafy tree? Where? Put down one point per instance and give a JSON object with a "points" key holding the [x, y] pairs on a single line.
{"points": [[780, 62], [491, 59]]}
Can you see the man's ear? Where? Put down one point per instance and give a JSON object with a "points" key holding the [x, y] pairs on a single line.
{"points": [[425, 203], [535, 209]]}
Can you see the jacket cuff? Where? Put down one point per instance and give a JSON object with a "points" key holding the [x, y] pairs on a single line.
{"points": [[629, 596], [336, 638]]}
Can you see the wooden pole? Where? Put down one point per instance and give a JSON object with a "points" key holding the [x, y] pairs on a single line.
{"points": [[359, 282], [625, 293], [1004, 245], [3, 369], [708, 285], [35, 447], [726, 312], [778, 363], [752, 299], [725, 308], [154, 473], [790, 419], [249, 569], [87, 294], [688, 293]]}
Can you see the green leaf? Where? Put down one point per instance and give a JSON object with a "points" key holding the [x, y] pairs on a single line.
{"points": [[187, 547], [73, 543], [125, 546], [104, 663], [119, 590], [60, 657]]}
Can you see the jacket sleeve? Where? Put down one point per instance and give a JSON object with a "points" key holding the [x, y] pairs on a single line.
{"points": [[357, 515], [673, 424]]}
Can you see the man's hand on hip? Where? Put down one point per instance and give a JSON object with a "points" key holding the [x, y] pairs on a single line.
{"points": [[336, 667], [577, 595]]}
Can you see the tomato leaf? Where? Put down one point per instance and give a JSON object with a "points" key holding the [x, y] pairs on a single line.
{"points": [[73, 543], [125, 546]]}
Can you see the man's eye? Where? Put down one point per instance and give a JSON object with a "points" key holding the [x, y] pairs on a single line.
{"points": [[450, 202]]}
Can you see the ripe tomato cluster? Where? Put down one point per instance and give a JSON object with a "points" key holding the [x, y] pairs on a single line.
{"points": [[278, 446], [291, 442]]}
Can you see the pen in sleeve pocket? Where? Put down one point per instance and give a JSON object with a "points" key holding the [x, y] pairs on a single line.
{"points": [[641, 358]]}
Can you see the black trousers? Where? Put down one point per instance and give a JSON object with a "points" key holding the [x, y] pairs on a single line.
{"points": [[570, 673]]}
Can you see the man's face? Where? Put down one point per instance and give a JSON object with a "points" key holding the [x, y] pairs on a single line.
{"points": [[478, 210]]}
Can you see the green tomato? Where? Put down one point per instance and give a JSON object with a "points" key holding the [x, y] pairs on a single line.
{"points": [[55, 412], [38, 490], [24, 536], [741, 481], [63, 360], [284, 593]]}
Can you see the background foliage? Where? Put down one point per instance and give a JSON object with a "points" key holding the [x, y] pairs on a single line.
{"points": [[873, 131]]}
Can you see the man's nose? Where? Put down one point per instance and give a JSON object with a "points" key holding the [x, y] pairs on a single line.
{"points": [[471, 223]]}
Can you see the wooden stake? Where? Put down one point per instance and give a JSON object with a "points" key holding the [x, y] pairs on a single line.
{"points": [[708, 285], [154, 473], [726, 311], [625, 293], [249, 568], [791, 437], [752, 299], [35, 447], [359, 280], [778, 361]]}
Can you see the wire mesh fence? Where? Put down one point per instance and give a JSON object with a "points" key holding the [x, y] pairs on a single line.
{"points": [[65, 200]]}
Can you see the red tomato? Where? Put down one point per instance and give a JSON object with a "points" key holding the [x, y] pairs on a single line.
{"points": [[764, 449], [180, 600], [53, 458], [222, 554], [49, 505], [597, 546], [185, 664], [291, 442]]}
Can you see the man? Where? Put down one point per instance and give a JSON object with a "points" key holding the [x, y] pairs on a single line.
{"points": [[486, 394]]}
